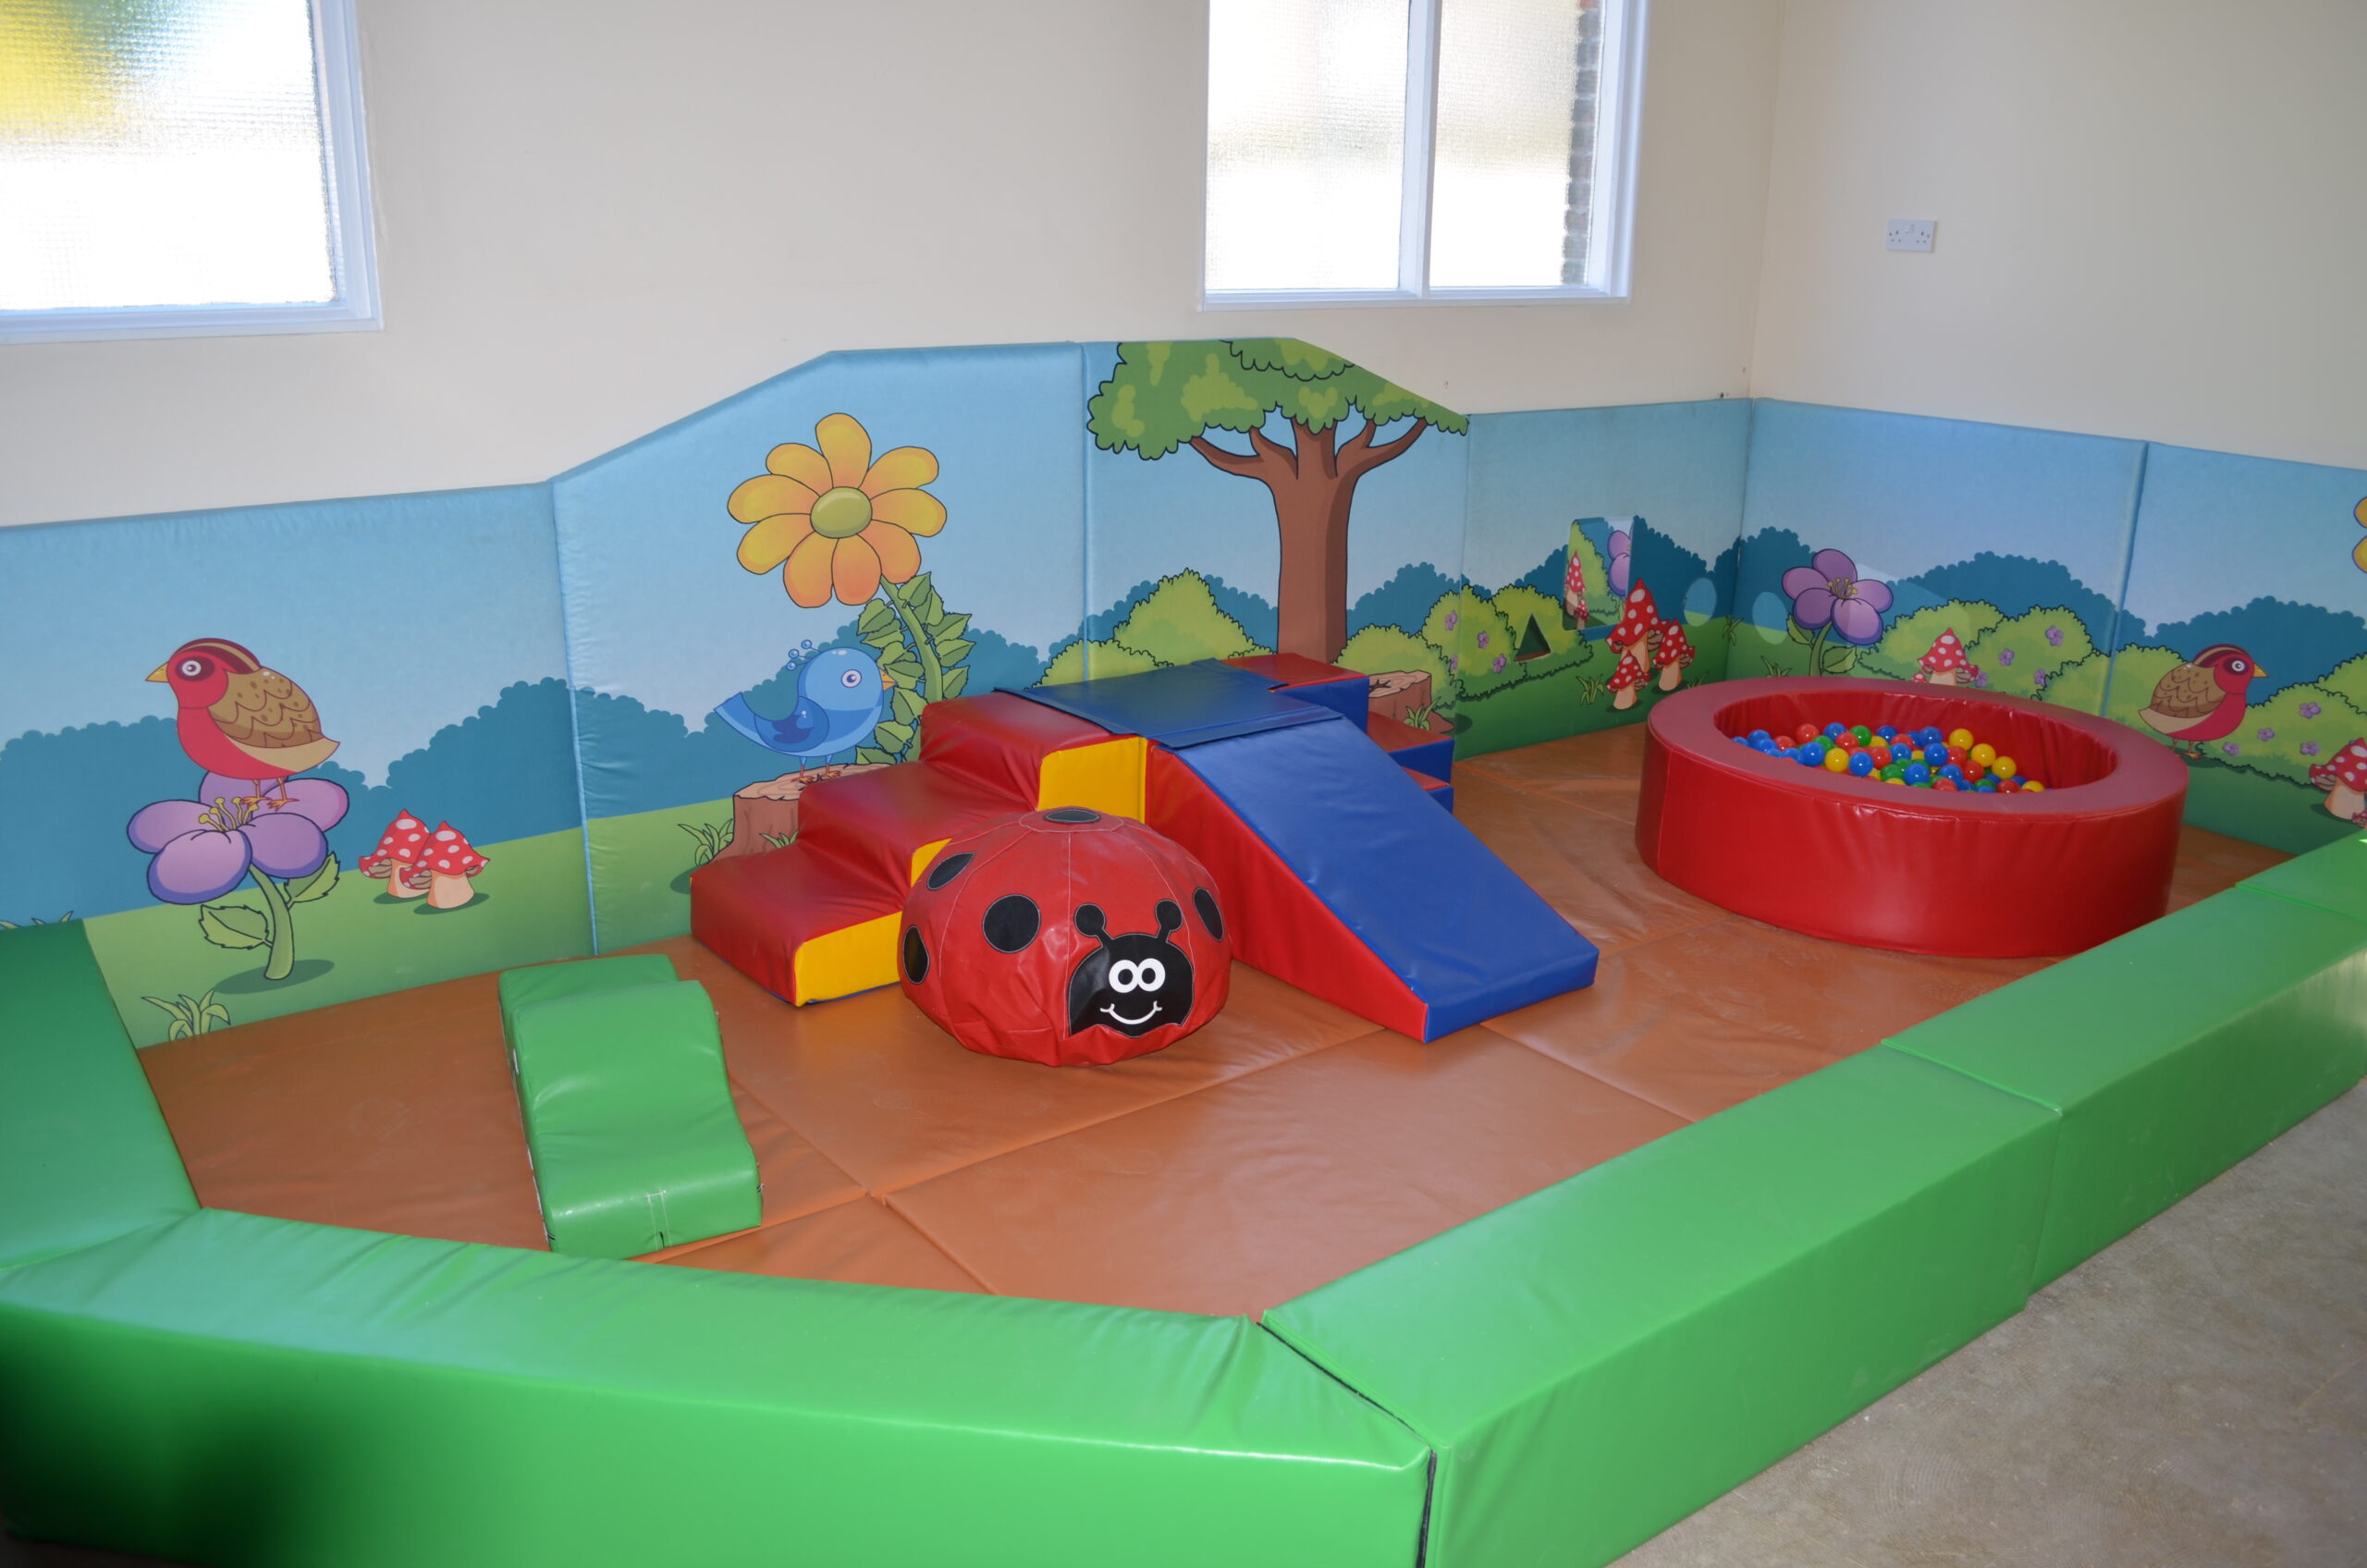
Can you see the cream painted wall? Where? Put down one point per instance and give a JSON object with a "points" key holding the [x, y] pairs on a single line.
{"points": [[592, 224], [2152, 218]]}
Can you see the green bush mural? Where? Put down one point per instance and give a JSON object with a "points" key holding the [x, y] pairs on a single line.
{"points": [[1177, 622]]}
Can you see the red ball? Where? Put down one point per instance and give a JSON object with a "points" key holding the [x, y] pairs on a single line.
{"points": [[1955, 756], [1881, 753], [1068, 937], [1948, 784], [1806, 733]]}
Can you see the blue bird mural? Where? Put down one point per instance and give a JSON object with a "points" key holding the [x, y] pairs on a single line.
{"points": [[842, 693]]}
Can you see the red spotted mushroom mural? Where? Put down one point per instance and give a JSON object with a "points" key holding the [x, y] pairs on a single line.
{"points": [[450, 861], [1639, 619], [1674, 652], [396, 860], [1945, 663], [2345, 781]]}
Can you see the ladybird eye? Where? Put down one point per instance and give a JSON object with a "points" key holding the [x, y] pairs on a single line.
{"points": [[1149, 974], [193, 668], [1123, 975], [851, 677]]}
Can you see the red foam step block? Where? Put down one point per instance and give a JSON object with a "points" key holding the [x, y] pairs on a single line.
{"points": [[877, 820], [999, 741], [756, 910]]}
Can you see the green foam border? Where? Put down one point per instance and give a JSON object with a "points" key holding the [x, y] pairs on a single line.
{"points": [[1558, 1379]]}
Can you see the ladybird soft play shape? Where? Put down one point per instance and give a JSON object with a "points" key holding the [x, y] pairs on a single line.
{"points": [[1067, 938]]}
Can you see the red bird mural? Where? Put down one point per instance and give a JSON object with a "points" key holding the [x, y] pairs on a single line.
{"points": [[2203, 698], [239, 718]]}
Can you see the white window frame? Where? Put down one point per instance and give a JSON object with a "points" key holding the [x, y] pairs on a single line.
{"points": [[1619, 112], [353, 252]]}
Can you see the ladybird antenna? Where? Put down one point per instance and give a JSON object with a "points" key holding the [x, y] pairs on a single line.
{"points": [[1090, 920], [1171, 917]]}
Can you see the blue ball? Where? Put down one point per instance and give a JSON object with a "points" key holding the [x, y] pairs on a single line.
{"points": [[1936, 754], [1917, 773], [1808, 757], [1887, 732], [1760, 737], [1930, 735], [1953, 772], [1986, 786], [1742, 739], [1861, 762], [1831, 731]]}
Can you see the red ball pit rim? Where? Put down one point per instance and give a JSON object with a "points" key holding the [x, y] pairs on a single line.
{"points": [[1997, 875]]}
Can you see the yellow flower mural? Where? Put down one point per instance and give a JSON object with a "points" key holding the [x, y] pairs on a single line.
{"points": [[833, 520]]}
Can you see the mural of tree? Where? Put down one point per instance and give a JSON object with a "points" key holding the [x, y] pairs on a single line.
{"points": [[1163, 396]]}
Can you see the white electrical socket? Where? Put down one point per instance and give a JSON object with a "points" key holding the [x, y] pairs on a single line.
{"points": [[1908, 234]]}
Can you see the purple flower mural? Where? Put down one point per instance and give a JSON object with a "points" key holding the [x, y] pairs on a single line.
{"points": [[2004, 656], [1499, 665], [1622, 566], [1829, 599], [2309, 748], [2039, 680], [2310, 710], [2230, 748], [201, 849], [2055, 636], [2267, 734]]}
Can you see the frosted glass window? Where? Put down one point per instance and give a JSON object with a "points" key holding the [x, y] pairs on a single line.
{"points": [[174, 163], [1420, 149], [1307, 142]]}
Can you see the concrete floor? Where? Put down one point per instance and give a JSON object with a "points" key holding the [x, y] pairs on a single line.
{"points": [[2194, 1395]]}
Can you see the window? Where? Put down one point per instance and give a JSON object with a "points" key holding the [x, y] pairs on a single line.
{"points": [[172, 168], [1372, 151]]}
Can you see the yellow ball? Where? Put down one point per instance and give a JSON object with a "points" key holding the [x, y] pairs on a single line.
{"points": [[1984, 754], [2004, 768], [1900, 782], [2033, 786], [1960, 737], [1837, 759]]}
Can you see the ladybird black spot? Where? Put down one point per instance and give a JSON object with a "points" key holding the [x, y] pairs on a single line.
{"points": [[1205, 903], [949, 868], [1071, 813], [916, 956], [1010, 923]]}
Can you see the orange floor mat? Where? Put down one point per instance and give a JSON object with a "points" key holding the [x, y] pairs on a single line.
{"points": [[1284, 1144]]}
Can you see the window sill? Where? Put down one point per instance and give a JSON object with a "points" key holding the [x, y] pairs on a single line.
{"points": [[1366, 299], [211, 321]]}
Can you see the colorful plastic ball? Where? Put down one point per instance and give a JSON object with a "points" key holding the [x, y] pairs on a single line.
{"points": [[1860, 734], [1930, 735], [1918, 773], [2004, 768], [1887, 731], [1861, 762], [1806, 733], [1760, 736], [1881, 753], [1985, 786], [1982, 752], [2032, 785], [1959, 737], [1806, 756], [1936, 755], [1945, 783], [1835, 730], [1742, 739], [1953, 774], [1895, 773], [1837, 759]]}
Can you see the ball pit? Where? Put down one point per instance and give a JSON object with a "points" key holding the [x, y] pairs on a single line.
{"points": [[2071, 844], [1922, 759]]}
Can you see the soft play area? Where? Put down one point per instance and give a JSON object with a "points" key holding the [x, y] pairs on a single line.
{"points": [[921, 958]]}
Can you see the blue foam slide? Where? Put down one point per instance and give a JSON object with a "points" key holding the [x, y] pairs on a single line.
{"points": [[1467, 936], [1187, 705]]}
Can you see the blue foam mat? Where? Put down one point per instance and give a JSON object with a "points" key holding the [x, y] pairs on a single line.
{"points": [[1188, 705], [1467, 936]]}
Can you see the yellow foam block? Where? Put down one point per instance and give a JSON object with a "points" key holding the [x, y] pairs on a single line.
{"points": [[926, 853], [840, 964], [1106, 776]]}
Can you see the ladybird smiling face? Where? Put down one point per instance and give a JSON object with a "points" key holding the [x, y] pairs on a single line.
{"points": [[1132, 983]]}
